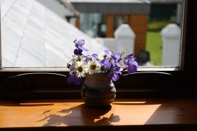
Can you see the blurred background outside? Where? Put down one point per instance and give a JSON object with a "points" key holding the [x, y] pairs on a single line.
{"points": [[148, 28]]}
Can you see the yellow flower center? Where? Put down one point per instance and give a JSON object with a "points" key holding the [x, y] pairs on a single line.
{"points": [[124, 52], [78, 59], [93, 67], [80, 68]]}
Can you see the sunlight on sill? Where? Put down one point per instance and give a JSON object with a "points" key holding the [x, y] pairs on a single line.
{"points": [[77, 114], [72, 113], [128, 102]]}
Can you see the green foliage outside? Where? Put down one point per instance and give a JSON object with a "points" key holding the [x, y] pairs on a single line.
{"points": [[158, 25], [154, 46], [154, 39]]}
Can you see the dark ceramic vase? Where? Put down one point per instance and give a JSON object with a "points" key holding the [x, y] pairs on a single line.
{"points": [[96, 91]]}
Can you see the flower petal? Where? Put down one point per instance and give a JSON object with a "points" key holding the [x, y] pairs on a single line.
{"points": [[113, 62], [82, 48], [78, 51], [77, 80], [107, 64], [94, 55], [133, 68], [115, 77], [71, 72], [109, 78], [107, 52], [70, 79], [117, 70], [117, 56], [80, 42]]}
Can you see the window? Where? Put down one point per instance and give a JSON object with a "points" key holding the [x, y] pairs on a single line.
{"points": [[52, 83], [152, 43], [36, 38]]}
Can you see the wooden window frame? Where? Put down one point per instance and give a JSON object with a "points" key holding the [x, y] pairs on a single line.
{"points": [[51, 84]]}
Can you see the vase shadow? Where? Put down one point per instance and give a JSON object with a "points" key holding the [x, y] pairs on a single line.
{"points": [[80, 115]]}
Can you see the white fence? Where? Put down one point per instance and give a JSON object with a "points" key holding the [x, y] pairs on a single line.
{"points": [[171, 45], [124, 40], [125, 37]]}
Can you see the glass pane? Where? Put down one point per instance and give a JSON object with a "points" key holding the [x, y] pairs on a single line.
{"points": [[40, 33]]}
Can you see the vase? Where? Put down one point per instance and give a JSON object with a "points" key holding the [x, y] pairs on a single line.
{"points": [[97, 91]]}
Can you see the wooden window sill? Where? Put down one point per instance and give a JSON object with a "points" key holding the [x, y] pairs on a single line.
{"points": [[139, 114]]}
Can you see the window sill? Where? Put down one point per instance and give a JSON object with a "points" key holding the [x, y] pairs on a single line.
{"points": [[178, 113]]}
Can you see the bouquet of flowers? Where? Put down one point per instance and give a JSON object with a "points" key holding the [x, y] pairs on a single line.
{"points": [[106, 62]]}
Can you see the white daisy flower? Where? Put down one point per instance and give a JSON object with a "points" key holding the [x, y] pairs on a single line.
{"points": [[80, 69], [105, 54], [93, 67], [79, 58]]}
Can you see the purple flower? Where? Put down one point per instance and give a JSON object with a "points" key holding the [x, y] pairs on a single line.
{"points": [[74, 78], [116, 58], [79, 46], [114, 74], [132, 67], [107, 52], [112, 60], [78, 51], [86, 58], [129, 59], [108, 60], [106, 63], [131, 63], [94, 55]]}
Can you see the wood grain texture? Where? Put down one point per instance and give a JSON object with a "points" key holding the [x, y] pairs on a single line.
{"points": [[74, 113]]}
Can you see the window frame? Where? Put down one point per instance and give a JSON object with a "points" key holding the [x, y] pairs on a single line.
{"points": [[154, 82]]}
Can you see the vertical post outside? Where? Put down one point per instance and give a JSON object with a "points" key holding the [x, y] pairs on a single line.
{"points": [[110, 25]]}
